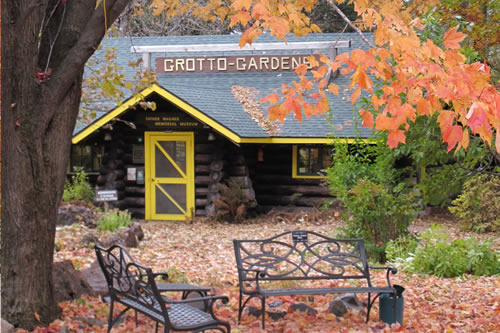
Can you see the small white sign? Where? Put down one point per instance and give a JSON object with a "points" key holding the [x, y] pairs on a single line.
{"points": [[106, 195], [131, 174]]}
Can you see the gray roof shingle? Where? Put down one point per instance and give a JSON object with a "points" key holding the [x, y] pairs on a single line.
{"points": [[211, 94]]}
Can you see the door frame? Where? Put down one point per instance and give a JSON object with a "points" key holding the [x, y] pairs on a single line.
{"points": [[150, 197]]}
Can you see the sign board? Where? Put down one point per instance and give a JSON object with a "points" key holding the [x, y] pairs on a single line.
{"points": [[139, 175], [106, 195], [231, 64], [299, 236], [137, 154], [131, 174], [167, 120]]}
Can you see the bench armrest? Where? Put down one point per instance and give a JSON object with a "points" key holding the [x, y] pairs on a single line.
{"points": [[164, 276], [224, 299], [209, 302], [258, 274], [389, 269]]}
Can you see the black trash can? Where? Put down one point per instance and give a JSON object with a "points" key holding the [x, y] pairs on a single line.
{"points": [[386, 306]]}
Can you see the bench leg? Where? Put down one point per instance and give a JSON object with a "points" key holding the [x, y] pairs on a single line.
{"points": [[263, 303], [110, 320]]}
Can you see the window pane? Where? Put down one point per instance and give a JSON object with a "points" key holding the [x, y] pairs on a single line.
{"points": [[311, 160]]}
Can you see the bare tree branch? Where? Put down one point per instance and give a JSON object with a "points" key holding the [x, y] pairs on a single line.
{"points": [[91, 36], [337, 9]]}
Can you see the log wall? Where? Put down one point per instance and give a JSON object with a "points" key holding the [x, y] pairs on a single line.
{"points": [[268, 183], [273, 182]]}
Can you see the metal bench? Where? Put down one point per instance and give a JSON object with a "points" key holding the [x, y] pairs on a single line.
{"points": [[268, 267], [134, 286]]}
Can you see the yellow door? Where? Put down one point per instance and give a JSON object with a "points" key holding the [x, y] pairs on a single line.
{"points": [[169, 175]]}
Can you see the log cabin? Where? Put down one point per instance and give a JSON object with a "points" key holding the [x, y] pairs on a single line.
{"points": [[208, 126]]}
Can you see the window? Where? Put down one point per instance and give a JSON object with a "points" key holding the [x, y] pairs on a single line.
{"points": [[86, 156], [310, 161]]}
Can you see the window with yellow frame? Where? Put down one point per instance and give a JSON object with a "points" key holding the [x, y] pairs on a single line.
{"points": [[310, 161]]}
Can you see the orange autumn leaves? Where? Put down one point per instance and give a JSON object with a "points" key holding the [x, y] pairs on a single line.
{"points": [[420, 77]]}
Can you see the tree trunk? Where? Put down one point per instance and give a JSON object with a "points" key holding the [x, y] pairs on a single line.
{"points": [[40, 108]]}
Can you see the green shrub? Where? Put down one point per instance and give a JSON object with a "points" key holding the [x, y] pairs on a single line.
{"points": [[79, 187], [478, 207], [113, 219], [438, 256], [378, 205], [400, 248]]}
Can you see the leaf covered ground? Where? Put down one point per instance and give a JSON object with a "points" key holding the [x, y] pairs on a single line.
{"points": [[202, 251]]}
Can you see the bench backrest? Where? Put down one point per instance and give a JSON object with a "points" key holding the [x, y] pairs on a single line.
{"points": [[301, 255], [128, 279]]}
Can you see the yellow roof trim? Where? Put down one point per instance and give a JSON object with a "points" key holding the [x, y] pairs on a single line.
{"points": [[196, 113], [113, 114], [203, 118]]}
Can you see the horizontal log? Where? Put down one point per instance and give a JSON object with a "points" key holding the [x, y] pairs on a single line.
{"points": [[201, 191], [112, 185], [135, 190], [317, 190], [137, 212], [291, 200], [239, 170], [202, 169], [120, 204], [285, 180], [200, 212], [203, 158], [236, 159], [201, 202], [135, 201], [204, 148], [202, 180], [274, 168]]}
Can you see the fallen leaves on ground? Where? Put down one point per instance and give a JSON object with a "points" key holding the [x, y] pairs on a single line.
{"points": [[203, 250]]}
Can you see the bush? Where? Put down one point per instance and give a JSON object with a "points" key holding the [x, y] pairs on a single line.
{"points": [[438, 256], [113, 219], [233, 203], [378, 206], [400, 248], [79, 187], [478, 206]]}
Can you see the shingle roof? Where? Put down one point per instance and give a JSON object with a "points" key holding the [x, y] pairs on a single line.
{"points": [[211, 94]]}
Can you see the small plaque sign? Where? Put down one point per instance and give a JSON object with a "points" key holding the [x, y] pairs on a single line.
{"points": [[299, 236], [138, 154], [106, 195]]}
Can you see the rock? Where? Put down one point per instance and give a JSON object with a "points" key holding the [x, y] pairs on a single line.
{"points": [[337, 307], [71, 214], [69, 283], [274, 315], [275, 304], [64, 329], [7, 327], [90, 321], [351, 301], [137, 230], [253, 311], [341, 304], [130, 239], [89, 238], [303, 308], [95, 278]]}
